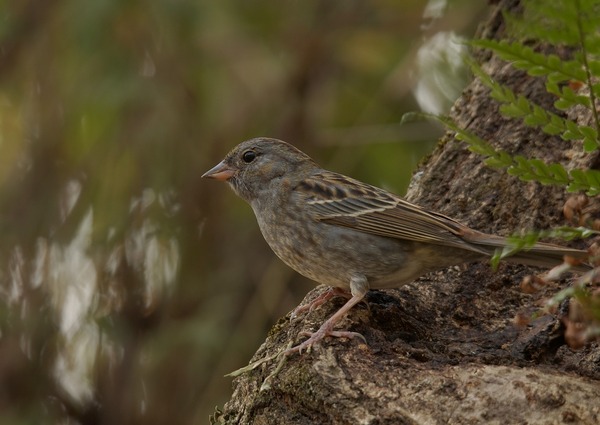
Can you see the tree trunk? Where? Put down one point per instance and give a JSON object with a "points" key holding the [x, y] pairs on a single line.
{"points": [[445, 349]]}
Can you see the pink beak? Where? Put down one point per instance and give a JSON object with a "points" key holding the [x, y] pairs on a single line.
{"points": [[221, 172]]}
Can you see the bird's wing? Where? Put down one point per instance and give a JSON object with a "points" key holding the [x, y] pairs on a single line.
{"points": [[339, 200]]}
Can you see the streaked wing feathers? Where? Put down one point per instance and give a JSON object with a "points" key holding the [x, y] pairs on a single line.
{"points": [[340, 200]]}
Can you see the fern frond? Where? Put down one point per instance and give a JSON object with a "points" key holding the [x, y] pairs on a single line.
{"points": [[569, 22], [537, 170], [533, 115], [557, 22], [567, 97], [536, 64], [494, 158], [588, 180], [574, 23], [586, 58], [575, 180]]}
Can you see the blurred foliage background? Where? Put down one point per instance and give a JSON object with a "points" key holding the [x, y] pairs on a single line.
{"points": [[128, 286]]}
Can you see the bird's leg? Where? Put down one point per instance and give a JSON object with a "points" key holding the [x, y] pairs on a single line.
{"points": [[358, 287], [330, 293]]}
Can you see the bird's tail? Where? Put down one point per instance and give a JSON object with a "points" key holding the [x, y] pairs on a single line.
{"points": [[541, 254]]}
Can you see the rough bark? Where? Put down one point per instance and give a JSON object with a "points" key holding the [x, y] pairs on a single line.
{"points": [[445, 349]]}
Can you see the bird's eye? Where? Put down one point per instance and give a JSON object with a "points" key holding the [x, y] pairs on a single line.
{"points": [[248, 156]]}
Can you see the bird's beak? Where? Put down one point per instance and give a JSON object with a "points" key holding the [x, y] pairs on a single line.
{"points": [[221, 171]]}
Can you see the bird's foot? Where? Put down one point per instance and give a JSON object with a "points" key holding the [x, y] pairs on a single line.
{"points": [[316, 337], [320, 300], [326, 329]]}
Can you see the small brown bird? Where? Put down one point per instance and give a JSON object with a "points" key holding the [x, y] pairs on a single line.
{"points": [[350, 235]]}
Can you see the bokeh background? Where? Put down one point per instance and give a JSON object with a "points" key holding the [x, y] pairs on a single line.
{"points": [[128, 285]]}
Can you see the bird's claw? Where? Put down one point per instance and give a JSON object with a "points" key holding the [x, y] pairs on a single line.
{"points": [[316, 337]]}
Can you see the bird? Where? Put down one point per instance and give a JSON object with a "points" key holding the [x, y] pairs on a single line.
{"points": [[350, 235]]}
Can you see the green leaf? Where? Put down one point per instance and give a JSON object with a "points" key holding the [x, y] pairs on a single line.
{"points": [[559, 173], [563, 104], [588, 132], [551, 129], [590, 145]]}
